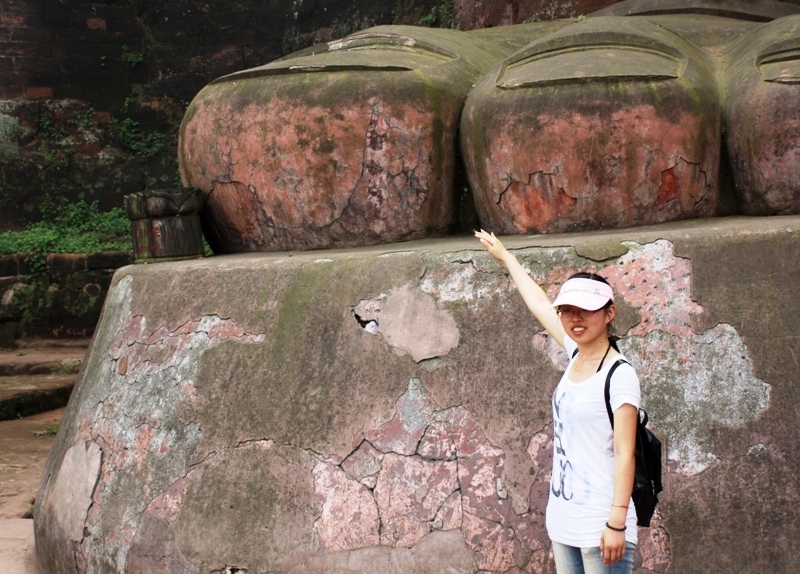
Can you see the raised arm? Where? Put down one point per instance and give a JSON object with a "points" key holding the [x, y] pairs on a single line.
{"points": [[533, 295]]}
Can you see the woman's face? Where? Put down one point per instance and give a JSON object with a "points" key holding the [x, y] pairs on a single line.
{"points": [[584, 326]]}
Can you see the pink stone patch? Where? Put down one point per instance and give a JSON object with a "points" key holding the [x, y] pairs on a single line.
{"points": [[139, 350], [492, 543], [414, 412], [654, 553], [364, 464], [349, 518], [480, 477], [428, 469], [659, 285], [409, 493], [561, 176], [167, 505], [450, 514], [284, 173]]}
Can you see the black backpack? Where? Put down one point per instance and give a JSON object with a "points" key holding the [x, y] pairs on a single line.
{"points": [[647, 477]]}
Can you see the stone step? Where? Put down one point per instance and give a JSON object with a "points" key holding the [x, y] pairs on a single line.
{"points": [[52, 343], [45, 358], [25, 395], [38, 375]]}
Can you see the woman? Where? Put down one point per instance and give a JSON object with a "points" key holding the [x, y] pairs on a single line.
{"points": [[591, 520]]}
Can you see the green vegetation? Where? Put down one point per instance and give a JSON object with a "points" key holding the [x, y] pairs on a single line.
{"points": [[133, 58], [84, 120], [65, 228], [70, 228], [49, 430], [429, 19], [135, 141], [58, 144], [440, 16], [50, 133]]}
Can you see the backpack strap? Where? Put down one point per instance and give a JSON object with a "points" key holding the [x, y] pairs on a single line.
{"points": [[607, 391]]}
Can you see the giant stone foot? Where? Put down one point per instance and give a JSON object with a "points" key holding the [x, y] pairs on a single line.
{"points": [[348, 143], [762, 117], [611, 122]]}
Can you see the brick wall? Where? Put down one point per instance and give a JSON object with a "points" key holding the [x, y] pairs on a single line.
{"points": [[60, 296]]}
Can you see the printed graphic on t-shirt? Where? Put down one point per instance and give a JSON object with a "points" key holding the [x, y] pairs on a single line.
{"points": [[570, 480]]}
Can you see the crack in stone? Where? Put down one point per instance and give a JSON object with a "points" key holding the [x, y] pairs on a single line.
{"points": [[424, 492], [265, 442], [86, 523], [208, 455], [500, 195], [227, 158]]}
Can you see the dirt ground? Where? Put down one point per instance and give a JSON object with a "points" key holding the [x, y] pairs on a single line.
{"points": [[24, 445], [43, 371]]}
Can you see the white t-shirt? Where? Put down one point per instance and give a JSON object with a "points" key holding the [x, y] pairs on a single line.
{"points": [[582, 483]]}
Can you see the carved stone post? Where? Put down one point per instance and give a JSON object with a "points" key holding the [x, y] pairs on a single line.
{"points": [[165, 224]]}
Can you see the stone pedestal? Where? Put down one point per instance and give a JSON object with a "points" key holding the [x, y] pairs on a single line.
{"points": [[329, 412]]}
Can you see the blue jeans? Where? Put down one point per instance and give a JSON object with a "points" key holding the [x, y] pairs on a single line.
{"points": [[572, 560]]}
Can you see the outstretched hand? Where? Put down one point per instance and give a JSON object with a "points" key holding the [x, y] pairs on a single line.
{"points": [[493, 245]]}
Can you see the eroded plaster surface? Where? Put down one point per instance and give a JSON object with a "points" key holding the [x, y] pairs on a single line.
{"points": [[702, 377], [72, 491], [410, 322], [430, 469], [687, 376], [147, 372]]}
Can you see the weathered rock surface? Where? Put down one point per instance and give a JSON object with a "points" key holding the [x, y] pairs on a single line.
{"points": [[349, 143], [611, 122], [237, 413], [762, 117]]}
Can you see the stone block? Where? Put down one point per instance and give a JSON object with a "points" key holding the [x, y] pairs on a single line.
{"points": [[65, 263], [9, 266], [108, 260], [252, 377]]}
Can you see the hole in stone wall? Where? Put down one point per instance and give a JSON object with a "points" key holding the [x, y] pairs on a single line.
{"points": [[366, 313], [369, 325]]}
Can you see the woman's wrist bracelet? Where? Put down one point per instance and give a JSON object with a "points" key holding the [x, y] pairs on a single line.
{"points": [[620, 506], [615, 529]]}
